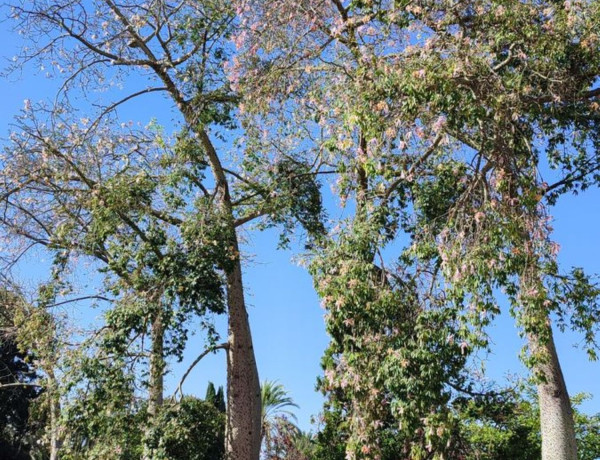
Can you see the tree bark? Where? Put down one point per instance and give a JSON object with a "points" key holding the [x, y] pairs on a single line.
{"points": [[243, 425], [55, 428], [156, 381], [157, 367], [243, 386], [556, 414], [55, 442]]}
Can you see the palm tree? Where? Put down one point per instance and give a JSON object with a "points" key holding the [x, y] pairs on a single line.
{"points": [[275, 406]]}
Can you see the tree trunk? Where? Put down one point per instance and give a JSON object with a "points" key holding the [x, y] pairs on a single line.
{"points": [[55, 442], [55, 429], [157, 366], [243, 387], [556, 413], [242, 430], [156, 383]]}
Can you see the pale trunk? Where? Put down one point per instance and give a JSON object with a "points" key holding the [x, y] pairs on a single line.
{"points": [[55, 429], [556, 413], [243, 387], [55, 442]]}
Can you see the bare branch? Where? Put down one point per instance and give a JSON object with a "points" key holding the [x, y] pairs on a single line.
{"points": [[19, 385], [222, 346]]}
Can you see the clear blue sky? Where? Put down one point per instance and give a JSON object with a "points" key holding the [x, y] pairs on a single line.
{"points": [[286, 319]]}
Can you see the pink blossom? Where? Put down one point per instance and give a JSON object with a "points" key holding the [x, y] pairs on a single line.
{"points": [[439, 124], [330, 375]]}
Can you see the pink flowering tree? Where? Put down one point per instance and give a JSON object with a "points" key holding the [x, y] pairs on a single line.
{"points": [[157, 213], [435, 119]]}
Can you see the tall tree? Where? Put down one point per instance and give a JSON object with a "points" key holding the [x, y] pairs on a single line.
{"points": [[436, 116], [140, 201]]}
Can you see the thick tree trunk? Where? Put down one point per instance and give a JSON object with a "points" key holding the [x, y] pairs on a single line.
{"points": [[242, 431], [556, 413], [243, 387]]}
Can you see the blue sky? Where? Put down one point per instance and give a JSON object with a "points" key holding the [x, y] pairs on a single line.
{"points": [[286, 319]]}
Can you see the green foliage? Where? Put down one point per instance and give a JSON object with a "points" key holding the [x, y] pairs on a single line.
{"points": [[275, 400], [394, 348], [19, 424], [490, 425], [506, 425], [277, 428], [104, 419], [498, 426], [191, 430], [215, 397], [587, 430], [331, 439], [211, 393], [286, 190], [220, 398]]}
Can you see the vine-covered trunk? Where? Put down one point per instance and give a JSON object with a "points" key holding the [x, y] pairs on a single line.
{"points": [[156, 381], [157, 366], [243, 387], [556, 413]]}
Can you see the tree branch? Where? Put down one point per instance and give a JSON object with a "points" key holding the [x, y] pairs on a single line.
{"points": [[19, 384], [179, 390]]}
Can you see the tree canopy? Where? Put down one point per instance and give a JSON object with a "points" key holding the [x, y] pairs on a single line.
{"points": [[447, 131]]}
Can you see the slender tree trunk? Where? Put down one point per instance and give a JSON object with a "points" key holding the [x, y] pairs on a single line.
{"points": [[55, 429], [243, 386], [55, 442], [156, 383], [157, 366], [556, 413]]}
